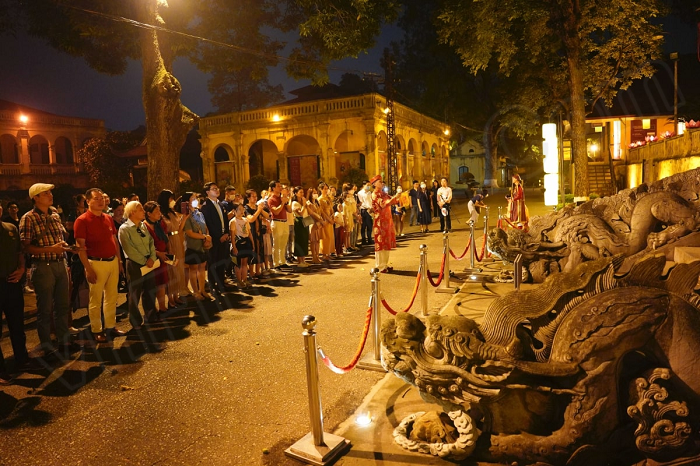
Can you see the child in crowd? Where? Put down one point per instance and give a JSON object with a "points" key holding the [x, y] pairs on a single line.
{"points": [[339, 224], [241, 243]]}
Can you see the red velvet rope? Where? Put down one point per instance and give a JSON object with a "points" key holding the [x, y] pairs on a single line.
{"points": [[465, 251], [344, 370], [413, 298], [442, 273], [483, 249]]}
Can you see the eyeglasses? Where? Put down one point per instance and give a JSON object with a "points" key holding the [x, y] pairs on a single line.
{"points": [[141, 233]]}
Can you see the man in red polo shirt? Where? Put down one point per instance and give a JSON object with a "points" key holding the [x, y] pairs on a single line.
{"points": [[95, 234], [279, 206]]}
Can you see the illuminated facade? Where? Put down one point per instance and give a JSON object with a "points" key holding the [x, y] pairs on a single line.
{"points": [[40, 147], [300, 143]]}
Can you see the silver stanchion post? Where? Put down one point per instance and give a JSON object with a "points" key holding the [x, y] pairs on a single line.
{"points": [[472, 256], [424, 278], [445, 285], [315, 447], [374, 362], [518, 271]]}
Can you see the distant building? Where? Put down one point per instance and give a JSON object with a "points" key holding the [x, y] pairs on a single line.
{"points": [[321, 134], [467, 163], [40, 147]]}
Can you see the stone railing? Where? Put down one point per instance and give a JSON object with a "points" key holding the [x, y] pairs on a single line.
{"points": [[679, 146], [14, 169], [272, 115], [51, 119], [52, 169]]}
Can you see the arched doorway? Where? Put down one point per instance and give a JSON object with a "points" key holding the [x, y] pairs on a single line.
{"points": [[425, 162], [9, 152], [303, 167], [224, 167], [64, 151], [39, 150], [262, 159], [347, 149]]}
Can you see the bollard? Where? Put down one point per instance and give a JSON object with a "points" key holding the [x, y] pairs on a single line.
{"points": [[368, 362], [315, 447], [423, 269], [472, 255], [445, 285]]}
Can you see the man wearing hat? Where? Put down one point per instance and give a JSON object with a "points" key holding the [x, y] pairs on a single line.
{"points": [[384, 234], [42, 236]]}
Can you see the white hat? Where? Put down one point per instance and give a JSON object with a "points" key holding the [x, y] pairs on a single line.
{"points": [[39, 188]]}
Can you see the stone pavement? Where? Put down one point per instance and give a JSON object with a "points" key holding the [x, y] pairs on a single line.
{"points": [[225, 384], [391, 400]]}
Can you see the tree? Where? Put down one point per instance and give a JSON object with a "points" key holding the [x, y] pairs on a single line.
{"points": [[589, 48], [105, 169], [103, 33]]}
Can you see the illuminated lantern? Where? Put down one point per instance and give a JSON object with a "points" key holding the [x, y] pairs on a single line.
{"points": [[550, 149]]}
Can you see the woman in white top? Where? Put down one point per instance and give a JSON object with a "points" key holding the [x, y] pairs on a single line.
{"points": [[301, 231], [444, 194]]}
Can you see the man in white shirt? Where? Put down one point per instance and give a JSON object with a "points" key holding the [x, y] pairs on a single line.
{"points": [[444, 200], [365, 197]]}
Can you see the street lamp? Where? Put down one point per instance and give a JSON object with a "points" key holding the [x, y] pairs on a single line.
{"points": [[23, 119], [594, 149]]}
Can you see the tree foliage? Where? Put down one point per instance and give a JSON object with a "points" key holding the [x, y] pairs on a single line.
{"points": [[102, 164]]}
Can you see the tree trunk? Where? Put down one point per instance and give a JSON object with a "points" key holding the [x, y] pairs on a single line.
{"points": [[570, 19], [578, 132], [490, 154], [167, 120]]}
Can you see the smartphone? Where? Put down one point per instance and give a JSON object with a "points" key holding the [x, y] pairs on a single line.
{"points": [[171, 257], [184, 207]]}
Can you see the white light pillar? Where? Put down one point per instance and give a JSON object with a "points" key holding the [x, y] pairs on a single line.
{"points": [[550, 149]]}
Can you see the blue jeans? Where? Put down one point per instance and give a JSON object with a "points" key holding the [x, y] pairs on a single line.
{"points": [[414, 215], [50, 281]]}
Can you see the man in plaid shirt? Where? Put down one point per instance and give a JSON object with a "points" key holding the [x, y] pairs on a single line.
{"points": [[42, 236]]}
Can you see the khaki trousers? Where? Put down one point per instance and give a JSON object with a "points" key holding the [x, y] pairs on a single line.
{"points": [[104, 289]]}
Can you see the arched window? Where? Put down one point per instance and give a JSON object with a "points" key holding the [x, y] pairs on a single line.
{"points": [[9, 152], [221, 155], [39, 150], [64, 151]]}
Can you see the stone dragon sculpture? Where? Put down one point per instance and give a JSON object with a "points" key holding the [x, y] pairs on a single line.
{"points": [[634, 222], [587, 367]]}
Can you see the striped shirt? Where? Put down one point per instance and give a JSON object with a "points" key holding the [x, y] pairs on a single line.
{"points": [[42, 230]]}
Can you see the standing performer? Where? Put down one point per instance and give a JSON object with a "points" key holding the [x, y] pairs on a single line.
{"points": [[516, 203], [384, 235]]}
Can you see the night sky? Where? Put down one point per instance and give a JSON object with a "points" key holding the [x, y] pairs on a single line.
{"points": [[36, 75]]}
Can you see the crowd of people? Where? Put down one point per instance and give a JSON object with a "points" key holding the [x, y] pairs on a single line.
{"points": [[197, 245]]}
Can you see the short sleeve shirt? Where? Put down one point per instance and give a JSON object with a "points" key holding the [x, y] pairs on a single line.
{"points": [[98, 232], [9, 249], [42, 230], [276, 201]]}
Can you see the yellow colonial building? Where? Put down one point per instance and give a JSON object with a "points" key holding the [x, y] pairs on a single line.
{"points": [[40, 147], [303, 141]]}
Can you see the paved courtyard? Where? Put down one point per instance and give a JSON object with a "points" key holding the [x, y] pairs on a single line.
{"points": [[221, 383]]}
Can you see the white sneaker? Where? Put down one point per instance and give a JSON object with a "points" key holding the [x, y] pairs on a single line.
{"points": [[303, 264]]}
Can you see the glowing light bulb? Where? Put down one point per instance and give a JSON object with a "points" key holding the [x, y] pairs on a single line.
{"points": [[363, 419], [23, 119]]}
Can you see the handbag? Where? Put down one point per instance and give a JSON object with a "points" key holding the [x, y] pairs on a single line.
{"points": [[307, 221]]}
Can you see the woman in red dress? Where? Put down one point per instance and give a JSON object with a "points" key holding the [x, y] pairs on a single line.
{"points": [[156, 227], [517, 208], [383, 231]]}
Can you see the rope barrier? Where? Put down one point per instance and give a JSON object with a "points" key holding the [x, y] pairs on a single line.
{"points": [[483, 249], [344, 370], [465, 251], [442, 273], [413, 298]]}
